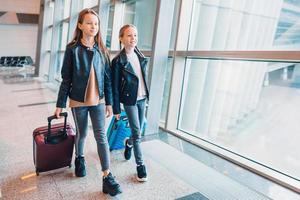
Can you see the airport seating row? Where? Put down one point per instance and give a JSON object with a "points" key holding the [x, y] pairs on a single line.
{"points": [[15, 61]]}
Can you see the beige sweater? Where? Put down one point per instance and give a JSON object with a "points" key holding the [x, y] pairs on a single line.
{"points": [[92, 93]]}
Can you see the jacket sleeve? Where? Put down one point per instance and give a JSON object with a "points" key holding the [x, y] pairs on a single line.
{"points": [[108, 83], [116, 82], [66, 84]]}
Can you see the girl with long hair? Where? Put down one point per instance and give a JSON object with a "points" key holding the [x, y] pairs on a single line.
{"points": [[86, 81], [130, 89]]}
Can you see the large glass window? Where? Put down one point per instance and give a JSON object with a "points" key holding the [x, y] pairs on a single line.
{"points": [[48, 35], [50, 13], [62, 39], [67, 5], [48, 30], [63, 35], [245, 25], [167, 84], [45, 63], [247, 107], [90, 3], [129, 13], [60, 57], [110, 25], [142, 15], [174, 24], [49, 17]]}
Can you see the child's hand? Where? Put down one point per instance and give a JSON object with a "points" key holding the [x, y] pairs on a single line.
{"points": [[108, 111], [57, 112], [117, 116]]}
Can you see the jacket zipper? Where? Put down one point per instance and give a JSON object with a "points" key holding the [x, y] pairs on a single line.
{"points": [[129, 72], [122, 86]]}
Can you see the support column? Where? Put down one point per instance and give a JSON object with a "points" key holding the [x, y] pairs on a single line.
{"points": [[159, 59], [179, 65], [39, 45]]}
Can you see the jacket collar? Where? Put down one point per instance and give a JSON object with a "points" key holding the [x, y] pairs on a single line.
{"points": [[124, 59], [95, 46]]}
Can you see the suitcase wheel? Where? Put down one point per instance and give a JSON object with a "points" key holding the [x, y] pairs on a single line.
{"points": [[70, 165], [37, 172]]}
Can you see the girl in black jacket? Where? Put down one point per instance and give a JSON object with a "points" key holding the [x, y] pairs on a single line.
{"points": [[130, 88], [86, 80]]}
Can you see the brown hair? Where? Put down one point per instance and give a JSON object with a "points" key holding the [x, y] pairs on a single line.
{"points": [[78, 33], [122, 30]]}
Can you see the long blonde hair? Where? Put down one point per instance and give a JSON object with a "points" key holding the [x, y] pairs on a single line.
{"points": [[78, 33]]}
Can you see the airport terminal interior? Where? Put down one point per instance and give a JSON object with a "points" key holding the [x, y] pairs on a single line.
{"points": [[222, 114]]}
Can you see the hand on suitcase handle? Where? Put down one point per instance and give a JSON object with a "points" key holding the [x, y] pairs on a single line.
{"points": [[117, 116], [57, 112], [63, 114]]}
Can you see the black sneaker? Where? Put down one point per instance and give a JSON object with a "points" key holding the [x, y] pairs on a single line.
{"points": [[128, 149], [141, 173], [110, 186], [80, 167]]}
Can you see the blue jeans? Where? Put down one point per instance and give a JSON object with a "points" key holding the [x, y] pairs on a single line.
{"points": [[97, 115], [136, 116]]}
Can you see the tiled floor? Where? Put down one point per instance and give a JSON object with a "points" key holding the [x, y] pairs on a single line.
{"points": [[172, 173], [24, 107]]}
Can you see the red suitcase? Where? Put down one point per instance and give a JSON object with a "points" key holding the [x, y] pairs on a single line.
{"points": [[53, 145]]}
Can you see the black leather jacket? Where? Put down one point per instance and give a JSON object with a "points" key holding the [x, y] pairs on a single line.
{"points": [[125, 82], [76, 70]]}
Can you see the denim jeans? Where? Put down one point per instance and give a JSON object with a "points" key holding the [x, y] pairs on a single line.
{"points": [[136, 116], [97, 115]]}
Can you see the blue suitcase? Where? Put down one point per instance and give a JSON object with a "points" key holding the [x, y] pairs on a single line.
{"points": [[118, 131]]}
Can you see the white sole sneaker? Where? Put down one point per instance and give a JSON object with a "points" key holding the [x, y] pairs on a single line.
{"points": [[141, 179]]}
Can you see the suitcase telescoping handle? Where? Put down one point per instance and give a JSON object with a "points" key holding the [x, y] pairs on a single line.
{"points": [[64, 114]]}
